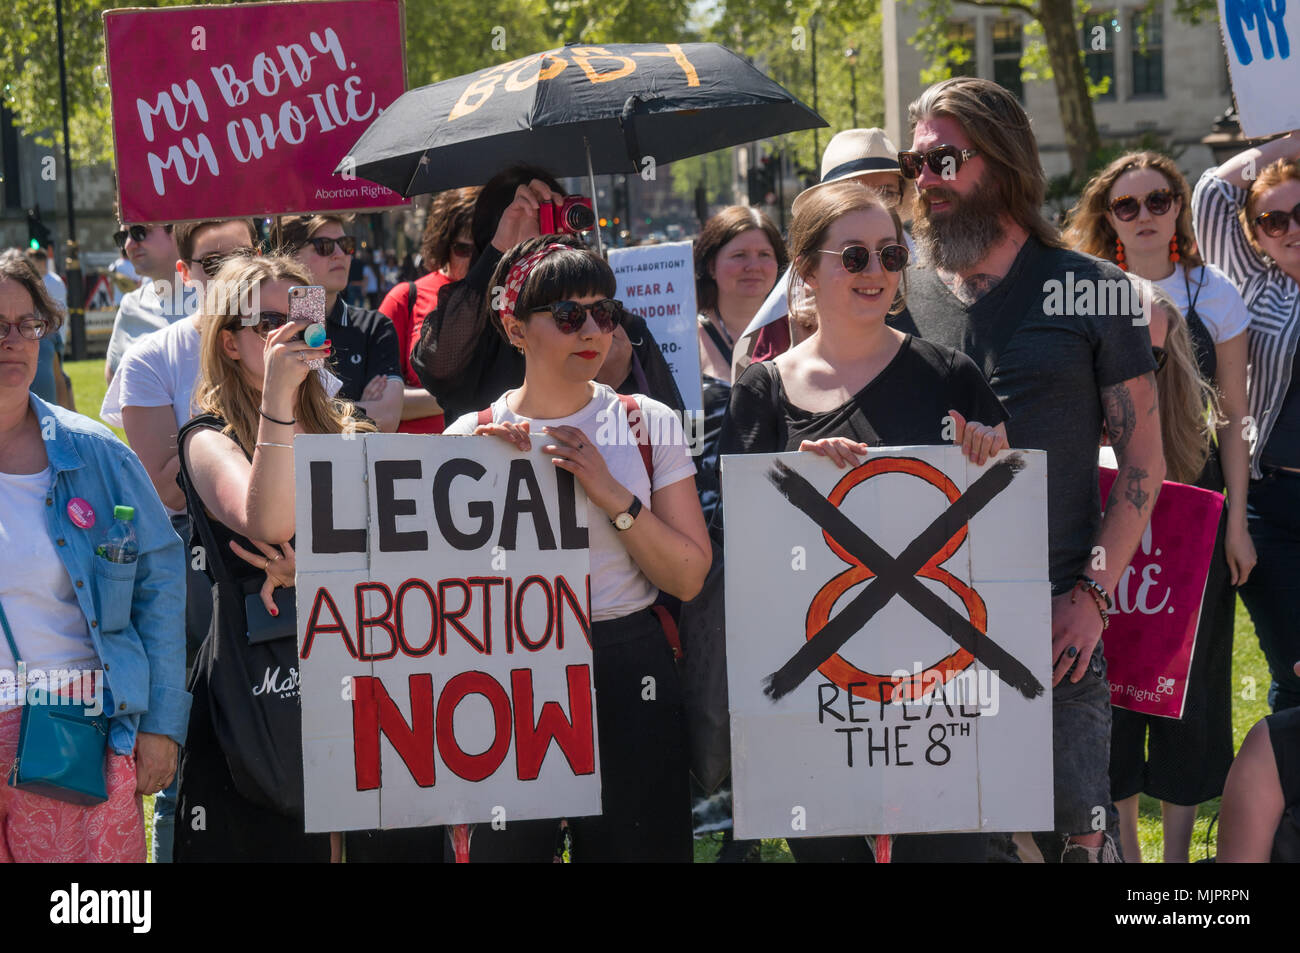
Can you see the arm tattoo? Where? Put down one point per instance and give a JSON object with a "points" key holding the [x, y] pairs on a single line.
{"points": [[1134, 492], [1120, 415], [969, 290]]}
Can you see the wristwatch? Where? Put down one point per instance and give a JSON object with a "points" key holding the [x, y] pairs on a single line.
{"points": [[624, 521]]}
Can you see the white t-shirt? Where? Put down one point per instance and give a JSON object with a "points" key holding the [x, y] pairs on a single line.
{"points": [[160, 370], [1218, 303], [38, 598], [618, 587]]}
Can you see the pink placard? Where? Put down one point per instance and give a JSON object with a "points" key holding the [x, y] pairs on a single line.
{"points": [[1152, 633], [226, 111]]}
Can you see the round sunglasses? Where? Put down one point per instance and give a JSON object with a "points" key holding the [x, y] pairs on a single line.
{"points": [[856, 258], [570, 316], [325, 246], [943, 160], [1126, 207], [1274, 224]]}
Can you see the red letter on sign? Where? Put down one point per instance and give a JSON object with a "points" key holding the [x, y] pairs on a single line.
{"points": [[574, 737], [473, 767], [373, 711]]}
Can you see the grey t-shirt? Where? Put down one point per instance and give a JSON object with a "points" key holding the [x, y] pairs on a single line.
{"points": [[151, 307], [1050, 371]]}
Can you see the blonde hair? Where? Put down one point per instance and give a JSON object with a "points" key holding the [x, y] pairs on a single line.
{"points": [[222, 388], [818, 211], [1189, 409], [1088, 230]]}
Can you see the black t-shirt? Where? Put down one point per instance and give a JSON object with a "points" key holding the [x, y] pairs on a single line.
{"points": [[363, 344], [904, 405], [1049, 373]]}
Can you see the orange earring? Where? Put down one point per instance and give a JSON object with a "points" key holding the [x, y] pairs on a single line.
{"points": [[1173, 250], [1119, 255]]}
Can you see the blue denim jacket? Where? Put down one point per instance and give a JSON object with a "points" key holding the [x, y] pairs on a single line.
{"points": [[136, 611]]}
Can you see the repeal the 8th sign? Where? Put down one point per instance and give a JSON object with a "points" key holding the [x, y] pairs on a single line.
{"points": [[444, 633], [888, 642]]}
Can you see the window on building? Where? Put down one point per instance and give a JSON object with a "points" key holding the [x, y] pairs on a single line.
{"points": [[961, 49], [1099, 31], [9, 160], [1148, 53], [1008, 44]]}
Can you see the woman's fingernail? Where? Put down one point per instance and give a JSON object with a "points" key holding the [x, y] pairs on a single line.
{"points": [[274, 611]]}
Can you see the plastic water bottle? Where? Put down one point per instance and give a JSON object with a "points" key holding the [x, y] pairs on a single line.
{"points": [[121, 546]]}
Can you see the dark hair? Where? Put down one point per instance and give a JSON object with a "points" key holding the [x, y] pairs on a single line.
{"points": [[294, 230], [495, 197], [575, 272], [998, 128], [718, 231], [14, 266], [449, 215], [186, 232]]}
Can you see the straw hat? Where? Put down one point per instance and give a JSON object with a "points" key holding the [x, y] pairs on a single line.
{"points": [[855, 152]]}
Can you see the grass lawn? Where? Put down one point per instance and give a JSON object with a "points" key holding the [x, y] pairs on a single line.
{"points": [[1249, 677]]}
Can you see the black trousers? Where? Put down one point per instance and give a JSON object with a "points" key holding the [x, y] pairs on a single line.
{"points": [[645, 794]]}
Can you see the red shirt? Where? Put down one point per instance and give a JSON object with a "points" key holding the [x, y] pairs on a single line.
{"points": [[408, 332]]}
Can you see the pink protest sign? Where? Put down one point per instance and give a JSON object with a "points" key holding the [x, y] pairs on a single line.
{"points": [[1152, 632], [225, 111]]}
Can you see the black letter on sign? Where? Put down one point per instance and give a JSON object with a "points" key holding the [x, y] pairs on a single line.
{"points": [[324, 537], [572, 536], [480, 509], [521, 472], [390, 540]]}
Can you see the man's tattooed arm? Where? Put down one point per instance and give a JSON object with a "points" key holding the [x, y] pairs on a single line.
{"points": [[970, 289], [1118, 415]]}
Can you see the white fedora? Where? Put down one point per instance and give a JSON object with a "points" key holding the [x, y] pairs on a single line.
{"points": [[854, 152]]}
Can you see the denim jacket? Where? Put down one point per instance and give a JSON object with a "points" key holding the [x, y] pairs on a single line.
{"points": [[136, 611]]}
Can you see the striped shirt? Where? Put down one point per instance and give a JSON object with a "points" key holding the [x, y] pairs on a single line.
{"points": [[1271, 298]]}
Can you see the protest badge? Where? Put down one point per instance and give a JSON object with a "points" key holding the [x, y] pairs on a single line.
{"points": [[242, 110], [1152, 634], [888, 642], [444, 634], [1257, 37], [658, 283]]}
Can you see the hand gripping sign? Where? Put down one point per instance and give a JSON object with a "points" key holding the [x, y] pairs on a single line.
{"points": [[888, 715]]}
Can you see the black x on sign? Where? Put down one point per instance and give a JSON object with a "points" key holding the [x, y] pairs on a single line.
{"points": [[897, 576]]}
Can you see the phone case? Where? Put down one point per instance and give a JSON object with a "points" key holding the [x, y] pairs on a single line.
{"points": [[307, 303]]}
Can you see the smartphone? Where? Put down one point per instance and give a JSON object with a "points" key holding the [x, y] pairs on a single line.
{"points": [[307, 306]]}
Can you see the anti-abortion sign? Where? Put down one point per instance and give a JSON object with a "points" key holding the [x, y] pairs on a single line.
{"points": [[1258, 37], [1152, 634], [658, 283], [223, 111], [888, 643], [444, 633]]}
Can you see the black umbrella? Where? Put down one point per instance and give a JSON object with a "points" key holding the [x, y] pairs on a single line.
{"points": [[576, 110]]}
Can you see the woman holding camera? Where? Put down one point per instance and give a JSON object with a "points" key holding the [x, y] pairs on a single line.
{"points": [[647, 536]]}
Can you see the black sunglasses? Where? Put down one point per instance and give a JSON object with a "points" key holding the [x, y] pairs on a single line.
{"points": [[570, 316], [212, 263], [856, 258], [942, 160], [1274, 224], [325, 246], [262, 323], [1161, 357], [137, 234], [1126, 207]]}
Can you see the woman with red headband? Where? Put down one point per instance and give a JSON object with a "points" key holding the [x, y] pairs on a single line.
{"points": [[647, 536]]}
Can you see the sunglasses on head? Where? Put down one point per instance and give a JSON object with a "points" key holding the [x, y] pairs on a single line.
{"points": [[1126, 207], [1161, 357], [137, 234], [942, 160], [570, 316], [856, 258], [262, 323], [1274, 224], [325, 246]]}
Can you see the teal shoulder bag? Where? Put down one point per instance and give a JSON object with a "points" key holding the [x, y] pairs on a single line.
{"points": [[61, 748]]}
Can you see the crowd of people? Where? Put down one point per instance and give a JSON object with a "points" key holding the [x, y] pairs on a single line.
{"points": [[905, 306]]}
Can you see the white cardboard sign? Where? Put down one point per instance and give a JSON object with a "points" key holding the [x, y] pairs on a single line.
{"points": [[444, 633], [658, 283], [857, 706], [1260, 37]]}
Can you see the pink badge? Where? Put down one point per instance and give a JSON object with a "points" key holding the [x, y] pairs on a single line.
{"points": [[81, 512]]}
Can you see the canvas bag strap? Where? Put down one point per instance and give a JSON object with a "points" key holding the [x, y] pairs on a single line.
{"points": [[9, 636], [642, 433]]}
